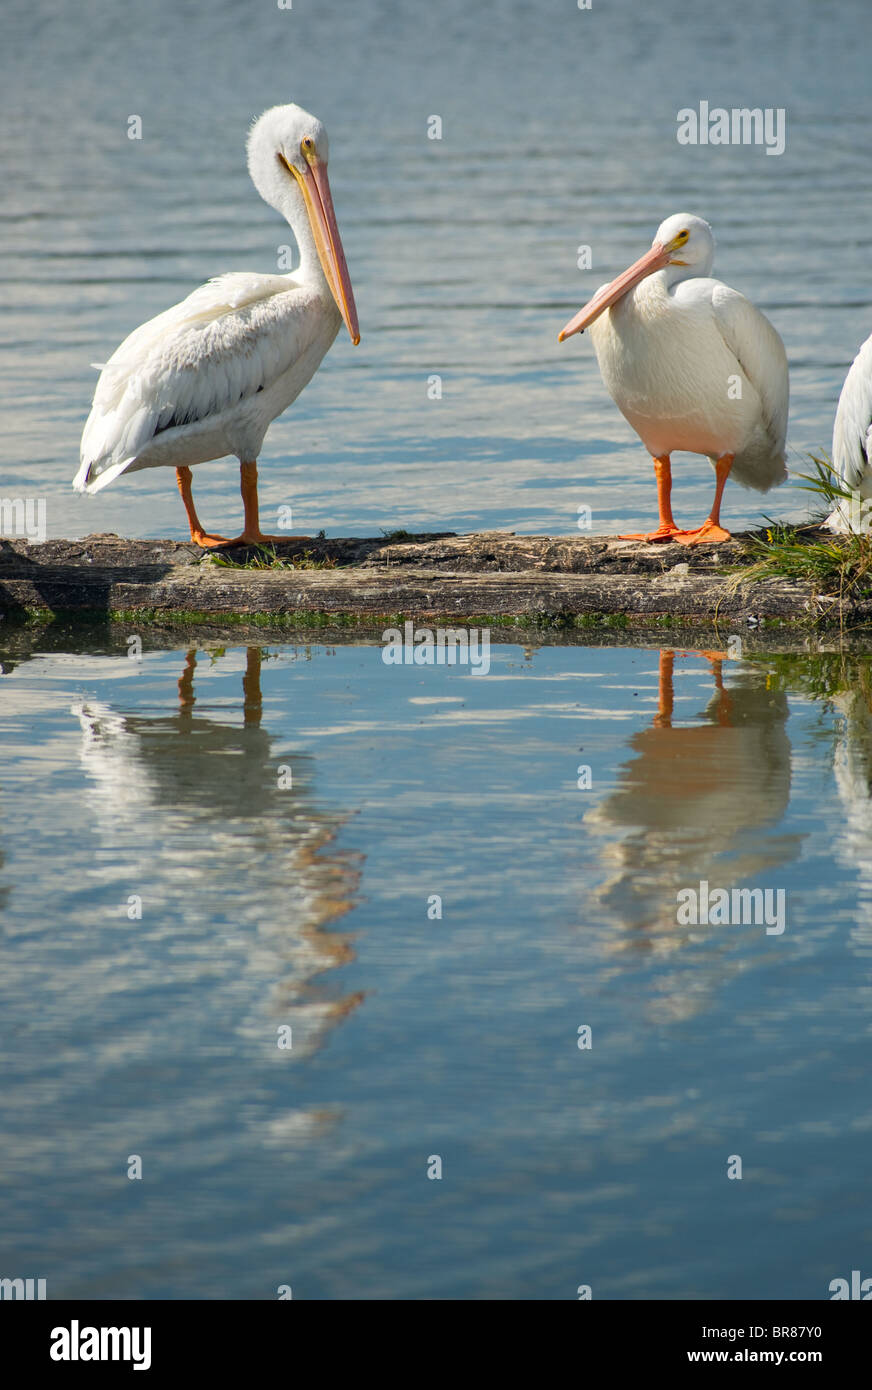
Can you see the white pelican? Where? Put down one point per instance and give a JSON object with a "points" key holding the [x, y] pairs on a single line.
{"points": [[852, 444], [692, 365], [207, 377]]}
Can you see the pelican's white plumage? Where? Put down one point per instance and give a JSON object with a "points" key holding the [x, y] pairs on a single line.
{"points": [[206, 378], [852, 443], [184, 387], [692, 365]]}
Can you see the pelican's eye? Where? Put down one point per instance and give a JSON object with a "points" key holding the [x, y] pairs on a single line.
{"points": [[307, 147], [682, 237]]}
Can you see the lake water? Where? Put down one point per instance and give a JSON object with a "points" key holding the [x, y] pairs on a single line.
{"points": [[310, 906], [559, 129], [211, 845]]}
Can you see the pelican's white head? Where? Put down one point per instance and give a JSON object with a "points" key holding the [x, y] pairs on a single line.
{"points": [[683, 246], [690, 242], [287, 160]]}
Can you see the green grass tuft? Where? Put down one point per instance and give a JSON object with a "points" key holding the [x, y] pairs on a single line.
{"points": [[265, 558], [399, 536], [834, 565]]}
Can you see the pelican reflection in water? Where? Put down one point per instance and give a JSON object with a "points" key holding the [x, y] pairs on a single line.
{"points": [[692, 803], [852, 842], [210, 820]]}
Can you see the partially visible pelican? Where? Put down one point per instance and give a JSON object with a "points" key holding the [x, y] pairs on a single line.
{"points": [[852, 443], [692, 365], [207, 377]]}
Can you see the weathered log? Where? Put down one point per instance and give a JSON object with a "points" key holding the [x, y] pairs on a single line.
{"points": [[497, 576]]}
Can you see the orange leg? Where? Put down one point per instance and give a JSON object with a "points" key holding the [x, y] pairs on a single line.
{"points": [[251, 532], [667, 528], [711, 529], [725, 701], [251, 695], [187, 698], [198, 535], [665, 691]]}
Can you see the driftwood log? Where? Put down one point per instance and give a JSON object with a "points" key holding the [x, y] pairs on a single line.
{"points": [[503, 578]]}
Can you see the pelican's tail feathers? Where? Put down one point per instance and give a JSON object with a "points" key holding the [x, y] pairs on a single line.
{"points": [[839, 519], [92, 478], [759, 469]]}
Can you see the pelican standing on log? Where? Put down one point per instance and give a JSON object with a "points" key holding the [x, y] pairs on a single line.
{"points": [[693, 366], [852, 446], [206, 378]]}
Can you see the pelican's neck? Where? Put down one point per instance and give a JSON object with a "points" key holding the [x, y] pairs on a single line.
{"points": [[280, 191], [310, 269]]}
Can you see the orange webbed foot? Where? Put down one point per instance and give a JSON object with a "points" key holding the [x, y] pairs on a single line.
{"points": [[663, 533], [208, 541], [707, 534], [253, 538]]}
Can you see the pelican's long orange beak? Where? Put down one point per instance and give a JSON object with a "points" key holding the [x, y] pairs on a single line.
{"points": [[655, 259], [322, 218]]}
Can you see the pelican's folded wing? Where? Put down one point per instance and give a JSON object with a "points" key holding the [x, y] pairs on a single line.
{"points": [[229, 339], [760, 353], [852, 431]]}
